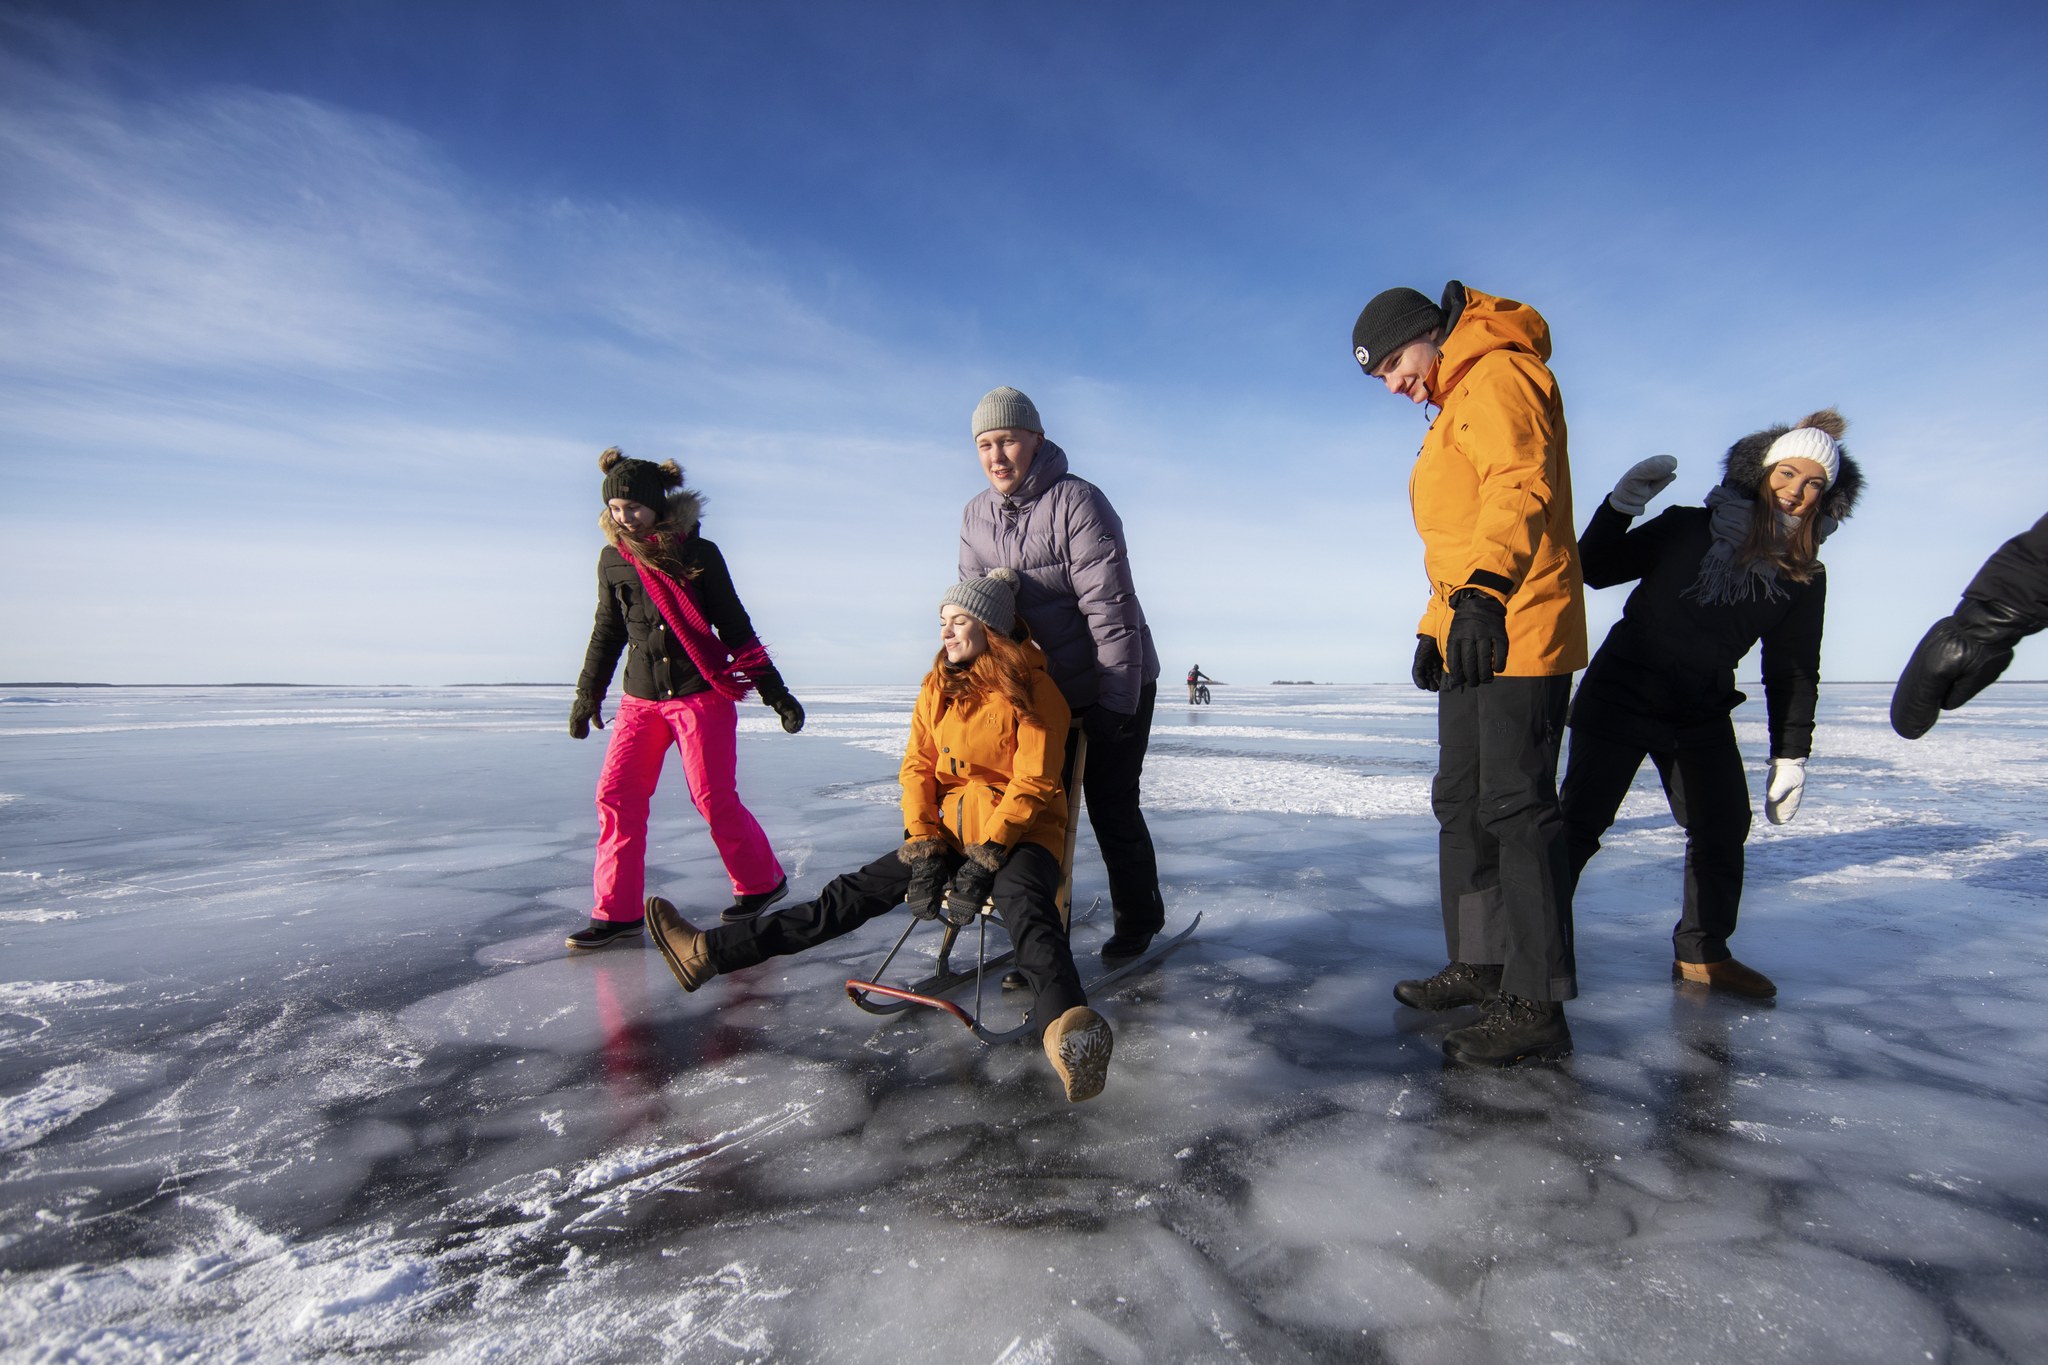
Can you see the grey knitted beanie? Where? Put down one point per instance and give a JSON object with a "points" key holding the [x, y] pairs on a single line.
{"points": [[1005, 407], [991, 600]]}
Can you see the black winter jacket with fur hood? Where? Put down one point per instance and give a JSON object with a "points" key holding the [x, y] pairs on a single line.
{"points": [[1665, 676], [657, 666]]}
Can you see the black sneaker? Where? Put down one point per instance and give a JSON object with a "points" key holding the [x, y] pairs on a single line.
{"points": [[1512, 1030], [1124, 947], [1461, 983], [746, 907], [603, 932]]}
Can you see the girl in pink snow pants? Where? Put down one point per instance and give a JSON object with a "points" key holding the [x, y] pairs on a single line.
{"points": [[665, 598]]}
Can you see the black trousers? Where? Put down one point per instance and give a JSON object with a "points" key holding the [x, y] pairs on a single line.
{"points": [[1110, 786], [1501, 858], [1709, 795], [1026, 896]]}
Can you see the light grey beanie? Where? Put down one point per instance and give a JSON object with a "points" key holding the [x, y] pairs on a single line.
{"points": [[991, 600], [1005, 407]]}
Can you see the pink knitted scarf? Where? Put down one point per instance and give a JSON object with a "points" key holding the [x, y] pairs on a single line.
{"points": [[729, 672]]}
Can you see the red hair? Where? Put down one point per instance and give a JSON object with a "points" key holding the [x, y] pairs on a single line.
{"points": [[1003, 669]]}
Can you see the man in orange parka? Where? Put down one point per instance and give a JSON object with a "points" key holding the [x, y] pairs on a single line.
{"points": [[1504, 631]]}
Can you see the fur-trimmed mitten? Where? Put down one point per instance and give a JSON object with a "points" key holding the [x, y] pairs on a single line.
{"points": [[931, 862], [973, 882]]}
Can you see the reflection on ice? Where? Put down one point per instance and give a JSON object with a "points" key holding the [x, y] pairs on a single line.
{"points": [[295, 1065]]}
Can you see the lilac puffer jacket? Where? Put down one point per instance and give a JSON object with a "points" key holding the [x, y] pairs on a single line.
{"points": [[1062, 535]]}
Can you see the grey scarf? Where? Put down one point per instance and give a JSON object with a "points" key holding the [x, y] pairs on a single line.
{"points": [[1722, 581]]}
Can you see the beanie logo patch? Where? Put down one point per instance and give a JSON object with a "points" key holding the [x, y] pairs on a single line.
{"points": [[1364, 356]]}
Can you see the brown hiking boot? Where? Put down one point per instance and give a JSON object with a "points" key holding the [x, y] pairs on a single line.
{"points": [[1077, 1044], [1727, 975], [682, 944]]}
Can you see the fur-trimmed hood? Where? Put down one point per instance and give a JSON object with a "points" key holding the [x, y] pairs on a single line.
{"points": [[1743, 467]]}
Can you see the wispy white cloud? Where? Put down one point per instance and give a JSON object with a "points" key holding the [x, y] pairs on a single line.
{"points": [[226, 233]]}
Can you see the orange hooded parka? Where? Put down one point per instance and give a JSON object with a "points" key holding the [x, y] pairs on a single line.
{"points": [[1492, 486], [978, 772]]}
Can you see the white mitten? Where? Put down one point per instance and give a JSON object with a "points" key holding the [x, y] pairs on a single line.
{"points": [[1782, 789], [1645, 480]]}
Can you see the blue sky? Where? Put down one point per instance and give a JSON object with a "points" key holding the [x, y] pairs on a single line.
{"points": [[317, 314]]}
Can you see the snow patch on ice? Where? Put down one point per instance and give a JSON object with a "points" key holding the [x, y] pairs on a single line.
{"points": [[59, 1098], [1273, 732], [1187, 782], [20, 997]]}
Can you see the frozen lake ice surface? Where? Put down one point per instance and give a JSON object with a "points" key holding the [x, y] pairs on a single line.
{"points": [[296, 1067]]}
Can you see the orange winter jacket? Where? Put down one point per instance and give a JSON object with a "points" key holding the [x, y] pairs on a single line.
{"points": [[1492, 487], [978, 772]]}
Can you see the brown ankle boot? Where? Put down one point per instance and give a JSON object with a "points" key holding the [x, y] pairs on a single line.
{"points": [[682, 944], [1728, 975]]}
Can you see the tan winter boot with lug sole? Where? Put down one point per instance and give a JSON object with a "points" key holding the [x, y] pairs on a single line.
{"points": [[682, 944], [1727, 975], [1077, 1044]]}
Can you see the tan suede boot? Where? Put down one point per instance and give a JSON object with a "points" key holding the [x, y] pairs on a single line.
{"points": [[1730, 976], [682, 945], [1077, 1044]]}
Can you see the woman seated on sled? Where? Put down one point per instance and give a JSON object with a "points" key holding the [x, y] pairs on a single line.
{"points": [[984, 816]]}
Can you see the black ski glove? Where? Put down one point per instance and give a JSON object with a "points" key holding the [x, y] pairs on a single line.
{"points": [[972, 883], [1105, 726], [1428, 668], [582, 712], [1477, 646], [1959, 657], [776, 694], [931, 865]]}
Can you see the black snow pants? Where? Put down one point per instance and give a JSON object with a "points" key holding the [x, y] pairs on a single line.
{"points": [[1709, 796], [1026, 896], [1110, 786], [1501, 857]]}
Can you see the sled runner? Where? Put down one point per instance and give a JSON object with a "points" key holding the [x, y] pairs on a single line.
{"points": [[931, 991], [878, 998]]}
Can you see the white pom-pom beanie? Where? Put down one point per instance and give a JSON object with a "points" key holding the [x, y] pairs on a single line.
{"points": [[1807, 443]]}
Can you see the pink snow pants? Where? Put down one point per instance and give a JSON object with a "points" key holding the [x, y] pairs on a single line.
{"points": [[703, 726]]}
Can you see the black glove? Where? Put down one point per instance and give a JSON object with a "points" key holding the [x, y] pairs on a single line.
{"points": [[931, 865], [582, 712], [1105, 726], [970, 886], [1477, 646], [776, 695], [1428, 668], [1959, 657]]}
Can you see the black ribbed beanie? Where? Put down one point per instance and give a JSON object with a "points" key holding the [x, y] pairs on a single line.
{"points": [[1394, 318], [641, 481]]}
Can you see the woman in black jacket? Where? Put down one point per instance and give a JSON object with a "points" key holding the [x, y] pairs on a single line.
{"points": [[663, 592], [1714, 581]]}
